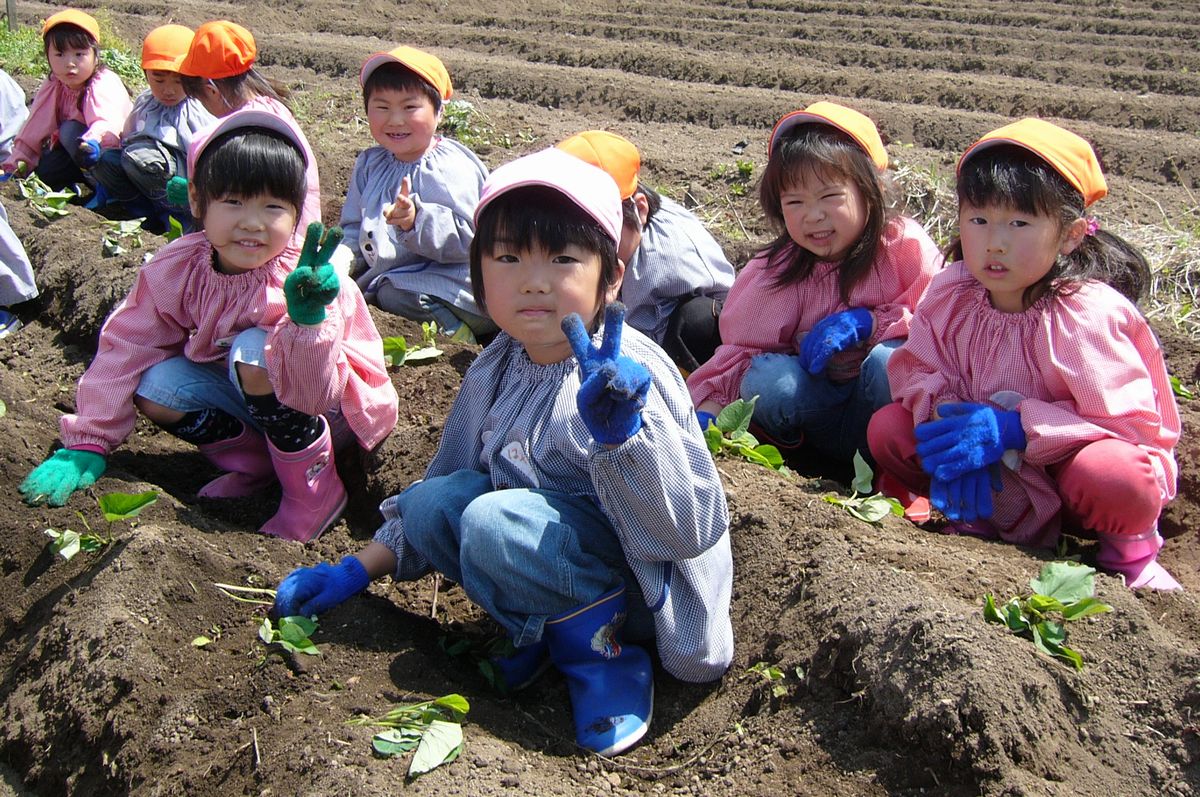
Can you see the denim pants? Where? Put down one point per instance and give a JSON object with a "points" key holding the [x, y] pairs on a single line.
{"points": [[794, 406], [140, 169], [523, 555]]}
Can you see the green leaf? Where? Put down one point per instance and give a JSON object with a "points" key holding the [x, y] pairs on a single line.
{"points": [[1044, 603], [1067, 581], [440, 744], [394, 742], [306, 626], [201, 641], [174, 229], [65, 543], [990, 612], [304, 645], [736, 417], [266, 632], [423, 353], [122, 506], [1084, 608], [3, 409], [713, 438], [864, 477], [1013, 617], [872, 509], [1181, 390], [771, 454], [395, 349], [455, 703], [90, 543], [740, 437]]}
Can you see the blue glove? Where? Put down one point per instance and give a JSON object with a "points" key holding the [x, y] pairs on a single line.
{"points": [[967, 437], [314, 283], [89, 152], [705, 418], [613, 388], [967, 497], [62, 473], [315, 590], [832, 334]]}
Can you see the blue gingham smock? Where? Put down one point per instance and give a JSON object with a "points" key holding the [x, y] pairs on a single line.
{"points": [[659, 489], [431, 258]]}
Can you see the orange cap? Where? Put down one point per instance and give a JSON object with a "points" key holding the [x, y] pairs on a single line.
{"points": [[427, 67], [1070, 155], [73, 16], [165, 47], [854, 124], [612, 153], [219, 49]]}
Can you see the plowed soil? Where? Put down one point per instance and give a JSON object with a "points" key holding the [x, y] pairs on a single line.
{"points": [[894, 684]]}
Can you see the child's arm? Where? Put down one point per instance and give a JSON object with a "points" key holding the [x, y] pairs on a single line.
{"points": [[443, 196], [42, 122], [106, 106], [913, 259]]}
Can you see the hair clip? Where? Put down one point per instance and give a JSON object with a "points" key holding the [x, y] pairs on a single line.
{"points": [[1092, 225]]}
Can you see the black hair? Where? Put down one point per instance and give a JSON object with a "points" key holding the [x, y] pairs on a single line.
{"points": [[237, 90], [826, 152], [540, 216], [398, 77], [629, 214], [67, 36], [249, 162], [1011, 176]]}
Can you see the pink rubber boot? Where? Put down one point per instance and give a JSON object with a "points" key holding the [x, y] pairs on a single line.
{"points": [[248, 464], [313, 493], [1134, 557]]}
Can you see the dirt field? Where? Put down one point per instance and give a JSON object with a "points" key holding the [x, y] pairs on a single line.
{"points": [[894, 684]]}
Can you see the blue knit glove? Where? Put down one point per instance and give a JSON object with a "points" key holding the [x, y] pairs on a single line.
{"points": [[315, 590], [832, 334], [89, 152], [62, 473], [613, 388], [967, 437], [314, 283], [967, 497]]}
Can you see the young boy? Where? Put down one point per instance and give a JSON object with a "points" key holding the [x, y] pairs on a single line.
{"points": [[407, 215], [157, 133], [676, 276]]}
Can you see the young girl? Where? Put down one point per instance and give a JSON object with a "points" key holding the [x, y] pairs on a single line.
{"points": [[224, 338], [811, 321], [218, 70], [1028, 352], [80, 108], [568, 492]]}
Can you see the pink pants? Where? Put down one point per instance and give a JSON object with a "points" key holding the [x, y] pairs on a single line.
{"points": [[1108, 487]]}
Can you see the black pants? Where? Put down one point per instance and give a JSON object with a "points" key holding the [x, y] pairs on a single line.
{"points": [[59, 166], [693, 334]]}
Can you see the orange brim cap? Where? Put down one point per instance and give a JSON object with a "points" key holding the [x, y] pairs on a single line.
{"points": [[1070, 155], [428, 67], [219, 49], [246, 118], [73, 16], [165, 47], [610, 152], [854, 124]]}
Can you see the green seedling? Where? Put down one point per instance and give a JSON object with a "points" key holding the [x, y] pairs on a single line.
{"points": [[480, 652], [202, 640], [1065, 589], [129, 231], [114, 507], [247, 594], [1181, 390], [730, 434], [772, 675], [433, 729], [292, 634], [864, 503], [396, 351], [50, 203], [174, 229]]}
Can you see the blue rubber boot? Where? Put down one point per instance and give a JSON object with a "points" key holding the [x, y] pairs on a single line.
{"points": [[611, 683], [517, 668]]}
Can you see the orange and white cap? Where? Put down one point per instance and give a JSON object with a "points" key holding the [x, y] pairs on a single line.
{"points": [[854, 124], [610, 152], [219, 49], [426, 66], [165, 47], [73, 16]]}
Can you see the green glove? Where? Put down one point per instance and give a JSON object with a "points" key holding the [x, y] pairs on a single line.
{"points": [[314, 283], [63, 472], [177, 191]]}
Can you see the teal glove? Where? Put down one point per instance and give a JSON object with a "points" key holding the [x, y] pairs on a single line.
{"points": [[177, 191], [314, 283], [63, 472]]}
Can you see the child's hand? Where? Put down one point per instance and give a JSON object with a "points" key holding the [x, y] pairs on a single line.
{"points": [[969, 497], [403, 212], [832, 334], [613, 390], [89, 152], [967, 437], [314, 283], [61, 474], [315, 590]]}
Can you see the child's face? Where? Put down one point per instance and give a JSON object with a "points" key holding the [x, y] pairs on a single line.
{"points": [[403, 122], [246, 232], [825, 214], [1008, 250], [73, 66], [530, 291], [166, 86]]}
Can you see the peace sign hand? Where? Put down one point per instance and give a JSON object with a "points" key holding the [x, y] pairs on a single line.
{"points": [[614, 388], [403, 212], [314, 282]]}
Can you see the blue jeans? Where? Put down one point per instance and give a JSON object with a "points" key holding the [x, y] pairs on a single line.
{"points": [[523, 555], [832, 418]]}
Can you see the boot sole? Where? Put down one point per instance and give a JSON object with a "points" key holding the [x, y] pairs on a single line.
{"points": [[330, 519], [632, 739]]}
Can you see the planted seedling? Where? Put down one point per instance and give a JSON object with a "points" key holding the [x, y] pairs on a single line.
{"points": [[291, 633], [129, 231], [1181, 390], [433, 729], [396, 351], [114, 506], [1065, 589], [772, 675], [481, 652], [730, 434], [43, 198], [864, 503]]}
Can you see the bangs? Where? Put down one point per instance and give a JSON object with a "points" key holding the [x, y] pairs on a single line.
{"points": [[812, 150], [66, 36], [397, 77], [1013, 177], [251, 161]]}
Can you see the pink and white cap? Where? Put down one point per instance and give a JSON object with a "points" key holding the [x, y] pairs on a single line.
{"points": [[246, 118], [589, 188]]}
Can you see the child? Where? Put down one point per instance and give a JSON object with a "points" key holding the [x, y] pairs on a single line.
{"points": [[568, 491], [13, 113], [812, 320], [408, 209], [676, 276], [1021, 354], [221, 342], [16, 272], [218, 70], [80, 108], [157, 134]]}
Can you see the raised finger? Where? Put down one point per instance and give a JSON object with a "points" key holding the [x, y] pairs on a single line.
{"points": [[405, 190], [577, 336], [333, 237], [614, 324], [312, 238]]}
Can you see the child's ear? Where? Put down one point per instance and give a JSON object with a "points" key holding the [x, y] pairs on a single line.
{"points": [[615, 289], [194, 201], [1073, 236], [643, 208]]}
